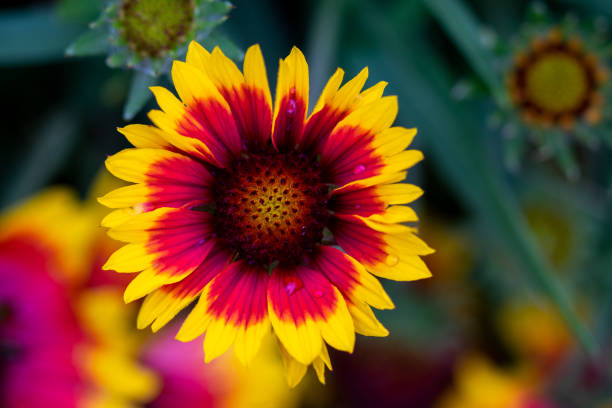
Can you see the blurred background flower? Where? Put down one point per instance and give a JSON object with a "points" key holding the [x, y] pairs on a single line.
{"points": [[556, 119], [147, 35], [518, 312]]}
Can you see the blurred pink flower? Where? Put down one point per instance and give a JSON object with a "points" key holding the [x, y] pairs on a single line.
{"points": [[38, 330]]}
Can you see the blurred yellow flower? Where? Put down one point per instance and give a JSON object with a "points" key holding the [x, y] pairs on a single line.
{"points": [[479, 384], [54, 220], [224, 382], [109, 358], [535, 331]]}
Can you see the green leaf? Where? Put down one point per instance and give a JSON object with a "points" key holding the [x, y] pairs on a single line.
{"points": [[117, 59], [514, 147], [92, 42], [139, 94], [465, 31], [323, 41], [34, 36]]}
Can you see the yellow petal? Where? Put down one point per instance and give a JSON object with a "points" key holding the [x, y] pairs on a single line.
{"points": [[346, 96], [338, 330], [303, 342], [127, 196], [130, 258], [294, 370], [399, 193], [145, 136], [197, 321], [198, 56], [364, 319], [292, 73], [329, 90], [393, 140], [146, 282], [375, 117], [117, 217], [220, 335], [248, 340], [255, 71]]}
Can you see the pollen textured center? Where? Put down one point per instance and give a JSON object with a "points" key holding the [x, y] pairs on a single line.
{"points": [[271, 207], [557, 82], [154, 27]]}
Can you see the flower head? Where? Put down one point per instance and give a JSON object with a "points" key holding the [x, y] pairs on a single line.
{"points": [[152, 28], [556, 82], [267, 216], [147, 35], [558, 91]]}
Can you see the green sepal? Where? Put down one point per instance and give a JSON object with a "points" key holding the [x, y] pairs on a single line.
{"points": [[92, 42], [227, 46], [514, 147], [588, 136], [560, 147], [117, 59], [138, 95], [213, 10]]}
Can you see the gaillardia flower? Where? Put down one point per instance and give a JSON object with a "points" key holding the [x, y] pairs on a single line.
{"points": [[147, 35], [268, 216], [558, 92], [556, 82]]}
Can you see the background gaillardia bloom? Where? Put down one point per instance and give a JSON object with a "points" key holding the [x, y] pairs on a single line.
{"points": [[557, 85], [147, 35], [555, 82], [266, 215]]}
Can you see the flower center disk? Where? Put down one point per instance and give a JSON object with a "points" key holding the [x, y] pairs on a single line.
{"points": [[271, 207], [557, 82], [154, 27]]}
